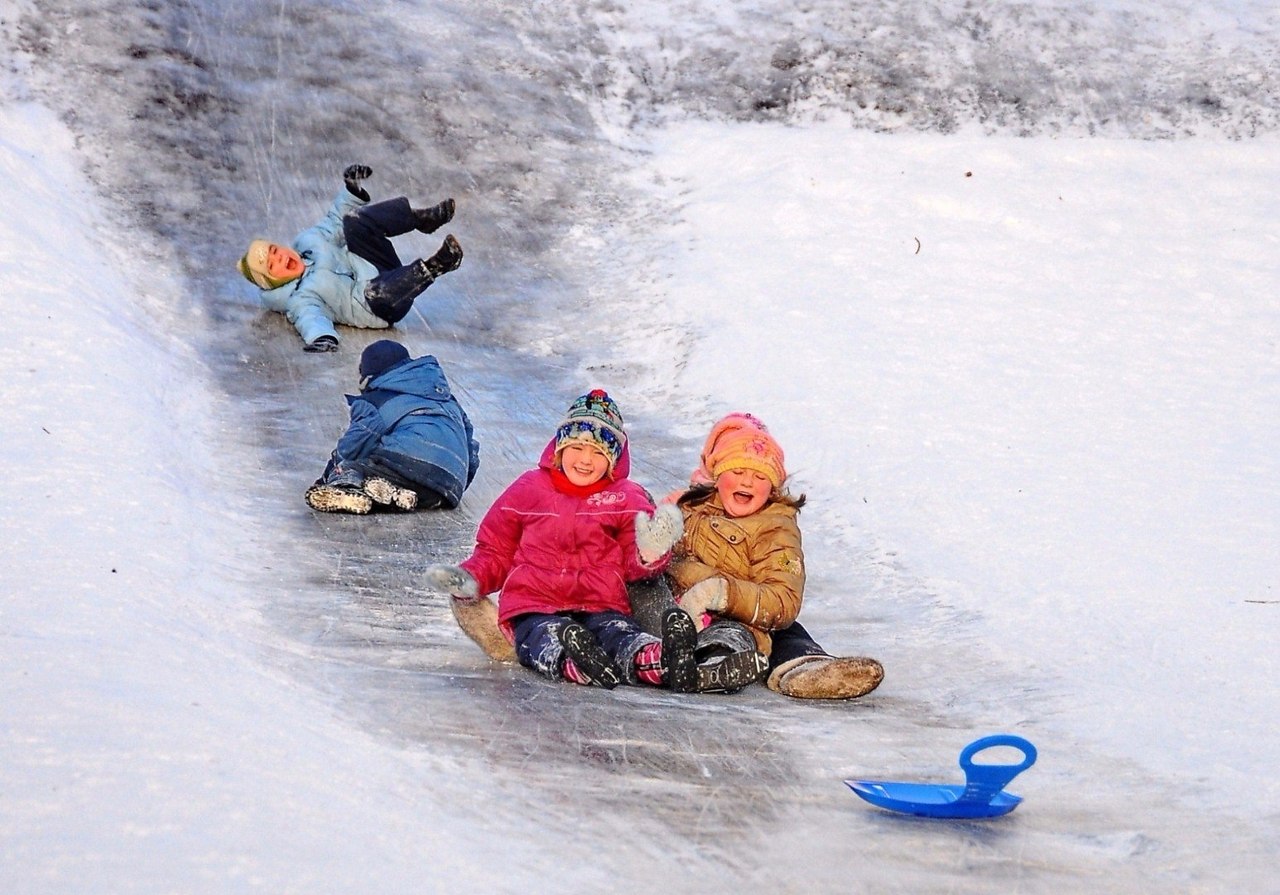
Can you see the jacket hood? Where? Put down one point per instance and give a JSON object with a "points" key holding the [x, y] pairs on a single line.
{"points": [[417, 376]]}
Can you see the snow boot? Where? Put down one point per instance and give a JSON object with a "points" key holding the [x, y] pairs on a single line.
{"points": [[479, 620], [827, 677], [448, 257], [338, 499], [432, 219], [729, 674], [679, 640], [587, 654], [385, 493]]}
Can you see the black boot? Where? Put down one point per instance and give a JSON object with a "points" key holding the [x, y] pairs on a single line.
{"points": [[586, 653], [432, 219], [679, 639], [449, 257], [729, 674]]}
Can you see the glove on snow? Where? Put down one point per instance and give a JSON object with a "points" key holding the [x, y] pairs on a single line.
{"points": [[453, 580], [657, 534], [322, 343], [352, 177], [711, 595]]}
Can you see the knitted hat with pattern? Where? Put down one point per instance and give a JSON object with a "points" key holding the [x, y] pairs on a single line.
{"points": [[593, 419]]}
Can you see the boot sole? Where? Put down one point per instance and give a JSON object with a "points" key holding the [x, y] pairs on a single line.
{"points": [[732, 673], [591, 660], [387, 494], [327, 499], [841, 678], [679, 640]]}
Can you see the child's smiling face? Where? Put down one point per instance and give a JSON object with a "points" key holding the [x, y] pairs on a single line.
{"points": [[283, 263], [743, 491], [583, 464]]}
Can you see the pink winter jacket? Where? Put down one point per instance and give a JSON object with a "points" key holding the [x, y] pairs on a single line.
{"points": [[547, 551]]}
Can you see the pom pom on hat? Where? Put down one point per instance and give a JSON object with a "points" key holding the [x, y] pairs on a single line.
{"points": [[380, 357], [740, 441], [593, 419]]}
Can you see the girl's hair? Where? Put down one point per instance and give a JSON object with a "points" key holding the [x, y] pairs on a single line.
{"points": [[702, 493]]}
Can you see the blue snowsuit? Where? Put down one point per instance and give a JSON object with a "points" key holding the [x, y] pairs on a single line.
{"points": [[407, 427]]}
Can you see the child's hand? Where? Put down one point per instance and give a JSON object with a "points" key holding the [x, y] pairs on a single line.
{"points": [[705, 597], [453, 580], [657, 534], [322, 343], [352, 177]]}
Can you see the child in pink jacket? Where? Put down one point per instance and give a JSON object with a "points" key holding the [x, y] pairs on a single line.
{"points": [[560, 545]]}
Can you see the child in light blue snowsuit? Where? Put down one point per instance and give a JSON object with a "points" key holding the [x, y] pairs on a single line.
{"points": [[345, 270], [409, 445]]}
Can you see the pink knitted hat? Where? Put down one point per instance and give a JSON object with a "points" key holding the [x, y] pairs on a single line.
{"points": [[740, 441]]}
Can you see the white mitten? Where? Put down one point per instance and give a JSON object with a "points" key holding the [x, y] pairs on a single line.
{"points": [[657, 534], [453, 580], [711, 595]]}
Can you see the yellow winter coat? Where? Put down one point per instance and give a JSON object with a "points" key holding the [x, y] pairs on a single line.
{"points": [[758, 555]]}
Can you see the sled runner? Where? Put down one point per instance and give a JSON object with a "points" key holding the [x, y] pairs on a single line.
{"points": [[479, 621]]}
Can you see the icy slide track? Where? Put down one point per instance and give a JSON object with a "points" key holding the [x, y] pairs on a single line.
{"points": [[225, 114]]}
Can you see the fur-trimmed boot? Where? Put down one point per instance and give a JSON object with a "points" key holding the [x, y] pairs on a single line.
{"points": [[388, 495], [827, 677], [338, 499], [429, 220], [479, 620]]}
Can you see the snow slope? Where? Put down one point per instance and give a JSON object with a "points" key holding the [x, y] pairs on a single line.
{"points": [[1026, 374]]}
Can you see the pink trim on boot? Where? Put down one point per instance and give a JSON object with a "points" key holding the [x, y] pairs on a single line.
{"points": [[574, 674], [649, 665]]}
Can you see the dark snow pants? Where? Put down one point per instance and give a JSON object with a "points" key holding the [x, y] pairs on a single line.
{"points": [[368, 230], [538, 646]]}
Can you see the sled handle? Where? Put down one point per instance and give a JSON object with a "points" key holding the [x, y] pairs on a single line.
{"points": [[984, 781]]}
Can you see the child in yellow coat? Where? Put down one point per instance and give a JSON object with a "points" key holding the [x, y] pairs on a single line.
{"points": [[739, 568]]}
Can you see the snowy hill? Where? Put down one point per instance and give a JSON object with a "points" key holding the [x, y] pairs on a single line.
{"points": [[1001, 281]]}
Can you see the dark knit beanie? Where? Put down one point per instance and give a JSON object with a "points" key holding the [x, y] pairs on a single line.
{"points": [[380, 357]]}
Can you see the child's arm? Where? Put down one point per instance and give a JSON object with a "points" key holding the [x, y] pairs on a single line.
{"points": [[497, 539], [330, 227], [310, 316], [365, 428]]}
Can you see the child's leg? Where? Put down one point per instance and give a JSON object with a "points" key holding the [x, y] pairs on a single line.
{"points": [[537, 643], [562, 649], [672, 662], [644, 658], [799, 667], [391, 293], [385, 479], [585, 661], [369, 230], [727, 657], [620, 638]]}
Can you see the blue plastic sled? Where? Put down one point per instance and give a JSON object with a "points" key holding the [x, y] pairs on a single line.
{"points": [[981, 796]]}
